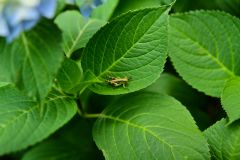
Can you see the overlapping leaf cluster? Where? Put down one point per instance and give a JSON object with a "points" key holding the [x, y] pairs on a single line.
{"points": [[60, 68]]}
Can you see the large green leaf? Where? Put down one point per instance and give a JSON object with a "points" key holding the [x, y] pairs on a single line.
{"points": [[132, 46], [125, 6], [77, 30], [149, 126], [230, 99], [32, 61], [177, 88], [224, 141], [73, 142], [24, 122], [204, 48], [189, 97]]}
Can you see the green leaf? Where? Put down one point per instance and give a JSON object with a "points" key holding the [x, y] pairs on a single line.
{"points": [[149, 126], [132, 46], [189, 97], [204, 47], [224, 141], [126, 6], [105, 11], [230, 99], [77, 30], [60, 5], [69, 75], [177, 88], [32, 61], [24, 122], [230, 6], [72, 142], [52, 149]]}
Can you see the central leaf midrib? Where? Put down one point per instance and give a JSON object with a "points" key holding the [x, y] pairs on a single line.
{"points": [[28, 55]]}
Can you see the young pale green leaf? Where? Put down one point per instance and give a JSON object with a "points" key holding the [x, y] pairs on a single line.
{"points": [[224, 140], [32, 61], [77, 30], [73, 142], [132, 47], [105, 11], [230, 99], [24, 122], [149, 126], [69, 75], [204, 48]]}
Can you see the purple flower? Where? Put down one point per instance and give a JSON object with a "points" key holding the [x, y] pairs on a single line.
{"points": [[17, 16]]}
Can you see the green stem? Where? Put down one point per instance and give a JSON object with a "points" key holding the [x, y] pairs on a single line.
{"points": [[97, 115], [80, 109], [83, 89], [82, 113]]}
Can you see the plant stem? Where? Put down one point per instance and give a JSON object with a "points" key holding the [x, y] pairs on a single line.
{"points": [[97, 115], [82, 113], [80, 109]]}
